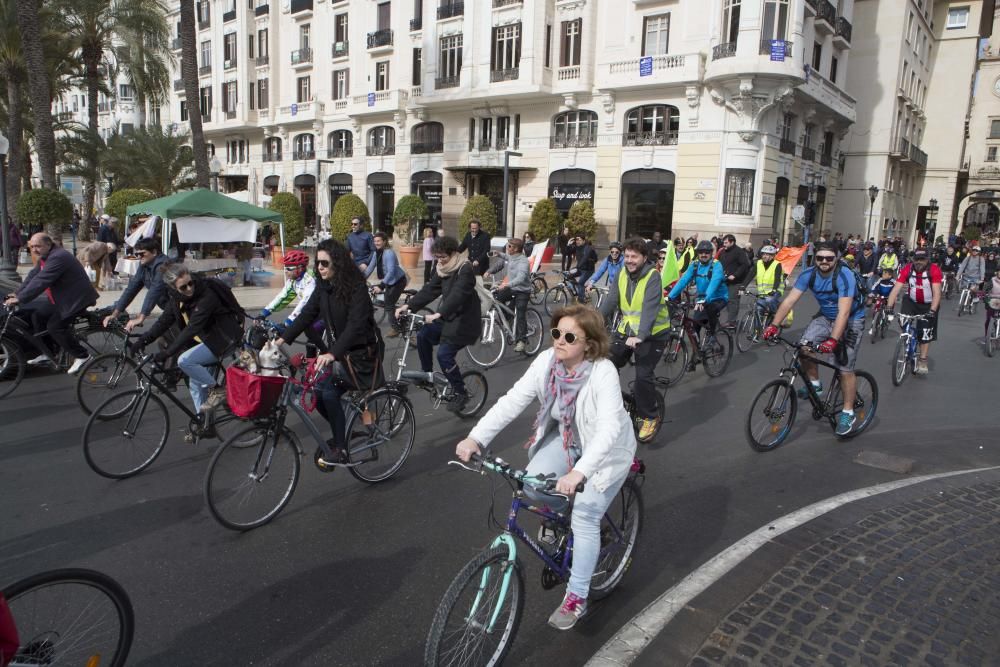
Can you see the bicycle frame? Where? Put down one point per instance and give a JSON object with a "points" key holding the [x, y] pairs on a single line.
{"points": [[795, 369]]}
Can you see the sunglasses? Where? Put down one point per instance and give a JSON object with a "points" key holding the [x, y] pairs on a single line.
{"points": [[189, 285], [294, 268], [662, 256], [567, 336], [826, 258], [323, 263]]}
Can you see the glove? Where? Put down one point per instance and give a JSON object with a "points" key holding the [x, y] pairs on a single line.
{"points": [[771, 332], [828, 346], [264, 314], [161, 356]]}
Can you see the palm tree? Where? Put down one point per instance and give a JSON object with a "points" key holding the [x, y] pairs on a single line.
{"points": [[152, 158], [189, 73], [81, 152], [14, 74], [39, 88]]}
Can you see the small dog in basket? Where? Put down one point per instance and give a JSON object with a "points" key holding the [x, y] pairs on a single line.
{"points": [[268, 362]]}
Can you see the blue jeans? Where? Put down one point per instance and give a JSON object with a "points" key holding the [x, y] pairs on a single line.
{"points": [[588, 508], [195, 364], [427, 338], [581, 285], [769, 303]]}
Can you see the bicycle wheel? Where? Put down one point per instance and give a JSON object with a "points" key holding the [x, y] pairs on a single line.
{"points": [[675, 358], [228, 425], [620, 527], [380, 448], [535, 333], [479, 614], [99, 340], [489, 348], [102, 376], [12, 366], [865, 402], [962, 301], [884, 326], [771, 415], [993, 340], [876, 327], [900, 361], [748, 333], [717, 357], [246, 487], [126, 433], [538, 289], [478, 390], [556, 298], [71, 617]]}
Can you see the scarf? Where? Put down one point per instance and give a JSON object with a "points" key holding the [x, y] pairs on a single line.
{"points": [[561, 388], [445, 269]]}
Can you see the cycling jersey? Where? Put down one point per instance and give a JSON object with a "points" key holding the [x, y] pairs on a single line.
{"points": [[827, 295], [883, 287], [609, 267], [709, 279], [301, 288], [918, 285]]}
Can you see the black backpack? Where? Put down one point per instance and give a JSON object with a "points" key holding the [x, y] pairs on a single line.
{"points": [[859, 282]]}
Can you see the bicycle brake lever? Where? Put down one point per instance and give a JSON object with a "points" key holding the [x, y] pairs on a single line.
{"points": [[461, 464]]}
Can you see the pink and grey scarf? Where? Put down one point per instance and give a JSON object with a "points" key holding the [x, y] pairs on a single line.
{"points": [[561, 388]]}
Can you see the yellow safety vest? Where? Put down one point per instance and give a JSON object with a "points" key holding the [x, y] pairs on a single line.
{"points": [[632, 308], [888, 262], [767, 278]]}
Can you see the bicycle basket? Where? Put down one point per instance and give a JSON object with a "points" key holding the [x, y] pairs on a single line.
{"points": [[252, 396]]}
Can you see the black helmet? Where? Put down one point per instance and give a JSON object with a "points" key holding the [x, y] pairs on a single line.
{"points": [[615, 245], [705, 246]]}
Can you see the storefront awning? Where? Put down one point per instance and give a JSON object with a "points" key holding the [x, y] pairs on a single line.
{"points": [[488, 171]]}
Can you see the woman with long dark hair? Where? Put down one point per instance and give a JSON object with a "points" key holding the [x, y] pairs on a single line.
{"points": [[355, 355]]}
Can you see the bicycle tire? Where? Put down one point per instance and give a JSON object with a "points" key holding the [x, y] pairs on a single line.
{"points": [[227, 425], [478, 390], [390, 412], [100, 340], [246, 464], [483, 572], [12, 366], [487, 353], [104, 429], [102, 376], [865, 403], [900, 362], [779, 401], [42, 644], [993, 339], [876, 326], [538, 289], [747, 335], [626, 511], [719, 359], [675, 357], [556, 298], [885, 326], [962, 299], [535, 334]]}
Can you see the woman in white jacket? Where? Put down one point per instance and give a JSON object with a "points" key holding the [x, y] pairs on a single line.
{"points": [[582, 433]]}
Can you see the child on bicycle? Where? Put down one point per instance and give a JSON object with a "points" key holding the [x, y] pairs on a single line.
{"points": [[883, 288]]}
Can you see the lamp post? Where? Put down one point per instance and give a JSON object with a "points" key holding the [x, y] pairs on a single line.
{"points": [[214, 167], [872, 194], [509, 231], [932, 213], [8, 268]]}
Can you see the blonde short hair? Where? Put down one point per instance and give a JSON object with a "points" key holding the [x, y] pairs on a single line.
{"points": [[598, 341]]}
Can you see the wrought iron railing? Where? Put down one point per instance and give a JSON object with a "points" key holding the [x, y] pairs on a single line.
{"points": [[379, 38], [447, 82], [304, 155], [340, 151], [585, 140], [808, 154], [302, 56], [450, 9], [724, 50], [420, 147], [652, 138], [509, 74], [786, 146], [844, 28]]}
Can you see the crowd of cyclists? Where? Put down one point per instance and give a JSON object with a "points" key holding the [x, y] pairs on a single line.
{"points": [[581, 433]]}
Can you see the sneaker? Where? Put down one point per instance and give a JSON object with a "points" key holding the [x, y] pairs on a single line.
{"points": [[457, 402], [803, 393], [215, 397], [519, 347], [337, 455], [40, 360], [546, 535], [568, 613], [920, 368], [189, 437], [78, 364], [647, 428], [845, 422]]}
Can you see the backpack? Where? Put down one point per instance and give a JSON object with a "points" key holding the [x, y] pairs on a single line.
{"points": [[859, 282]]}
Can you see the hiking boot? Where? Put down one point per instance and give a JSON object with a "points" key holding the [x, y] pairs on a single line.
{"points": [[803, 393], [845, 423], [569, 612], [519, 347], [215, 397], [647, 428]]}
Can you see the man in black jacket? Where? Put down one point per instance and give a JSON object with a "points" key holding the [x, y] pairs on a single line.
{"points": [[67, 293], [586, 262], [477, 242], [108, 234], [736, 265]]}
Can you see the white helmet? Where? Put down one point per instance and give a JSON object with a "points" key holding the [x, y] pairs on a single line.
{"points": [[769, 250]]}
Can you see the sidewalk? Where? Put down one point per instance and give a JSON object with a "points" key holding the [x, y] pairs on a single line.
{"points": [[905, 577]]}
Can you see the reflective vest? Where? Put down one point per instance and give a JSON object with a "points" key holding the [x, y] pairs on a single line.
{"points": [[632, 308], [888, 261], [767, 278]]}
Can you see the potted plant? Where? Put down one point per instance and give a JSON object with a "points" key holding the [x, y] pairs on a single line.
{"points": [[410, 210], [347, 208], [580, 220], [544, 226], [288, 206]]}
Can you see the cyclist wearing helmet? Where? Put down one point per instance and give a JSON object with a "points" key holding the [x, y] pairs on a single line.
{"points": [[770, 276], [299, 284], [710, 279], [611, 265]]}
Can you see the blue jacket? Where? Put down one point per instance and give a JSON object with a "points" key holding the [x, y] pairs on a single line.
{"points": [[612, 269], [710, 279], [362, 246], [147, 276], [392, 272]]}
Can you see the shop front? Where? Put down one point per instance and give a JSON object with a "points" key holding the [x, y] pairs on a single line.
{"points": [[305, 190], [647, 203], [427, 185], [568, 186], [340, 185], [271, 185], [382, 189]]}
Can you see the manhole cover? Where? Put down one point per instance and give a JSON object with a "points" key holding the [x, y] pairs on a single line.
{"points": [[883, 461]]}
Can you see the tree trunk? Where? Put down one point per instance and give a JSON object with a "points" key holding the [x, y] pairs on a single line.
{"points": [[92, 77], [189, 72], [38, 84], [15, 156]]}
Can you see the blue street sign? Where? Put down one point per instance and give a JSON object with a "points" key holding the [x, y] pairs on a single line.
{"points": [[778, 50], [295, 109], [646, 66], [371, 99]]}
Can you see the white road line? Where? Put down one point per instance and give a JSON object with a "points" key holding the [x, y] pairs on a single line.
{"points": [[626, 645]]}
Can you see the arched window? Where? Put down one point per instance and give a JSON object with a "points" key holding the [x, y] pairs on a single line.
{"points": [[381, 141], [427, 138], [652, 125], [340, 143], [304, 148], [574, 128], [272, 149]]}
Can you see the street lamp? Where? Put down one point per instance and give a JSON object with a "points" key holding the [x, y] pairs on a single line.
{"points": [[932, 213], [872, 194], [8, 268], [214, 167], [509, 231]]}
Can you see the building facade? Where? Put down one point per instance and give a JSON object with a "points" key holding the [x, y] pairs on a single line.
{"points": [[684, 116]]}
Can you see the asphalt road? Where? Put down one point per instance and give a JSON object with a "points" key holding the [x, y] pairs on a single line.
{"points": [[350, 574]]}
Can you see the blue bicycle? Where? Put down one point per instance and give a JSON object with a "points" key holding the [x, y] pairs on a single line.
{"points": [[478, 617], [904, 361]]}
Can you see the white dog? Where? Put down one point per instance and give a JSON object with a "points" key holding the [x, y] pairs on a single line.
{"points": [[270, 360]]}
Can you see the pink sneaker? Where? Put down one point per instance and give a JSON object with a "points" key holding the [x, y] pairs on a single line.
{"points": [[568, 613]]}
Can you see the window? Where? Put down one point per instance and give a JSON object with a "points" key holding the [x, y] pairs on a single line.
{"points": [[991, 153], [382, 75], [572, 34], [472, 133], [909, 27], [203, 12], [787, 121], [817, 56], [341, 84], [124, 91], [833, 69], [427, 138], [807, 135], [651, 125], [384, 16], [252, 95], [340, 29], [184, 111], [995, 129], [485, 134], [304, 147], [381, 140], [548, 45], [775, 20], [503, 133], [827, 144], [262, 94], [958, 17], [450, 64], [205, 101], [272, 149], [340, 143], [304, 32], [574, 128], [229, 97], [302, 89], [506, 48], [262, 43], [418, 64], [739, 192], [655, 35], [229, 50], [251, 43], [206, 53], [730, 21]]}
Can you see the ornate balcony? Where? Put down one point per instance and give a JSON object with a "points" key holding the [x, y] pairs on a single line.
{"points": [[179, 85], [511, 74], [808, 154], [507, 3], [451, 9], [416, 24], [301, 6], [340, 151], [724, 50], [660, 138], [304, 155], [379, 38], [339, 49], [229, 16], [261, 61], [272, 157], [447, 82], [584, 140], [427, 147], [302, 56], [380, 150], [826, 17], [843, 31], [786, 146], [568, 73], [261, 10], [825, 159], [918, 156]]}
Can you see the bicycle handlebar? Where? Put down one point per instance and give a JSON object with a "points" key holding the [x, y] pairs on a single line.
{"points": [[541, 483]]}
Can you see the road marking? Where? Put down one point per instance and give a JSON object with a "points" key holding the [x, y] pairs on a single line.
{"points": [[626, 645]]}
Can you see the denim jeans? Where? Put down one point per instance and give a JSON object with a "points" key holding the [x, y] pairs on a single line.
{"points": [[427, 338], [769, 303], [581, 285], [588, 508], [328, 395], [194, 363]]}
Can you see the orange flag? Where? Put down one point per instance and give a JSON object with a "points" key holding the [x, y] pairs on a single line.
{"points": [[789, 256]]}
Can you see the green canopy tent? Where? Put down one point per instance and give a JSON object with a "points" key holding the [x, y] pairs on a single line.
{"points": [[203, 216]]}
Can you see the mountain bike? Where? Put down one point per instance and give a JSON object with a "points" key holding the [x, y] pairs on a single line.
{"points": [[564, 293], [478, 617], [880, 319], [904, 359], [772, 412], [538, 288], [714, 355], [969, 298], [247, 486], [498, 332], [70, 617], [751, 328], [435, 383]]}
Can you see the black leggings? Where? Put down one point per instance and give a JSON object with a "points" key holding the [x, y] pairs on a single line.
{"points": [[709, 315], [428, 267]]}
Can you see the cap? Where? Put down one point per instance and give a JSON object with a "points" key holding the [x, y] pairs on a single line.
{"points": [[105, 216], [769, 250], [920, 253]]}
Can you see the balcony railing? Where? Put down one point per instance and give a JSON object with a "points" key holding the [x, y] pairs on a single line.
{"points": [[568, 73], [304, 155], [229, 16], [918, 156], [205, 22], [814, 4], [64, 116], [176, 44], [808, 154], [510, 74], [825, 159], [416, 24], [231, 114], [660, 138], [339, 49], [379, 38], [904, 148], [484, 145], [179, 85], [584, 140], [765, 48], [301, 6], [204, 69], [447, 82], [421, 147], [451, 9], [340, 151], [229, 64], [826, 12], [380, 150], [844, 29], [302, 56], [507, 3], [272, 157], [724, 50], [261, 10], [261, 61], [104, 107], [786, 146]]}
